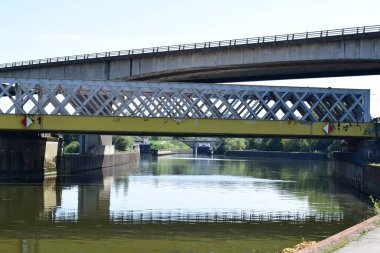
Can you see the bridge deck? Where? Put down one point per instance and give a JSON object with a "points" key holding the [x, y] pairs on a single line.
{"points": [[185, 127], [202, 45]]}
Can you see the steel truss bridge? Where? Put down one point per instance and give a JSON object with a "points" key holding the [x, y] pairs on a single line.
{"points": [[147, 108]]}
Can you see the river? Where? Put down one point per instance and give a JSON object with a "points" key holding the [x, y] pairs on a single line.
{"points": [[179, 203]]}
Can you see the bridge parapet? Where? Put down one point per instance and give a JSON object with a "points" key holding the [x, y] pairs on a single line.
{"points": [[201, 45]]}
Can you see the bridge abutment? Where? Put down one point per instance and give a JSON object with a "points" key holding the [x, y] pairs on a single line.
{"points": [[28, 156], [358, 166]]}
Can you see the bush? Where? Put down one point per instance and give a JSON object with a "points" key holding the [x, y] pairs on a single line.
{"points": [[123, 143], [67, 138], [169, 144], [376, 204], [290, 145], [231, 144], [73, 147]]}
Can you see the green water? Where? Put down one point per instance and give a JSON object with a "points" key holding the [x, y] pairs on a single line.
{"points": [[179, 204]]}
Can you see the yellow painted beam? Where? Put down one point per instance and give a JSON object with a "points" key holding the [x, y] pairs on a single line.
{"points": [[183, 126]]}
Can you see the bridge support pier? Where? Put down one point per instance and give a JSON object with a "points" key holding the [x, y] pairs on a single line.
{"points": [[93, 144], [195, 148], [28, 156]]}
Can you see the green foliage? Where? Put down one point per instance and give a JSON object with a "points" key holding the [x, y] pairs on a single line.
{"points": [[376, 204], [320, 145], [73, 147], [231, 144], [265, 144], [335, 146], [287, 145], [179, 144], [290, 145], [123, 143], [168, 144], [273, 144], [236, 143], [67, 138], [256, 143], [161, 138]]}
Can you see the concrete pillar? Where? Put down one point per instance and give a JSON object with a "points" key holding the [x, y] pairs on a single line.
{"points": [[94, 144], [195, 148], [53, 155]]}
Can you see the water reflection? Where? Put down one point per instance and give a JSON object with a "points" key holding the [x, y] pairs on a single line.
{"points": [[210, 198], [180, 204]]}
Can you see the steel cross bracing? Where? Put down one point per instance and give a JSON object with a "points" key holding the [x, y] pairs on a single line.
{"points": [[182, 100]]}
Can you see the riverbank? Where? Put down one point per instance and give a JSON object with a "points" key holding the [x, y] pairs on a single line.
{"points": [[78, 162], [350, 168], [351, 239], [155, 152], [277, 154]]}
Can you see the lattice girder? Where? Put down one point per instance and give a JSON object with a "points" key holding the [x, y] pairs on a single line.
{"points": [[182, 100]]}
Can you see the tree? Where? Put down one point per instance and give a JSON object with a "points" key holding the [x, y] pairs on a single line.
{"points": [[67, 138], [72, 147], [312, 145], [123, 143], [256, 143], [231, 144], [290, 145], [335, 146], [273, 144]]}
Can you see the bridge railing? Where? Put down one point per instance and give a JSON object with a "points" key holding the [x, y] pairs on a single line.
{"points": [[202, 45]]}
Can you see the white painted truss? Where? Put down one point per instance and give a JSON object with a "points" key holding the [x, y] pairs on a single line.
{"points": [[182, 100]]}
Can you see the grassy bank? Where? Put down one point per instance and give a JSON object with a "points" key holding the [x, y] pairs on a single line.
{"points": [[168, 144]]}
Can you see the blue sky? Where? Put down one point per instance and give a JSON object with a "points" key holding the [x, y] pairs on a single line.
{"points": [[33, 29]]}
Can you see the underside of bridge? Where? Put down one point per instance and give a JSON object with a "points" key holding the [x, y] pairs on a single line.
{"points": [[265, 71]]}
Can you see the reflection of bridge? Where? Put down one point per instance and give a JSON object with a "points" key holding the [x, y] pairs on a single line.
{"points": [[59, 212]]}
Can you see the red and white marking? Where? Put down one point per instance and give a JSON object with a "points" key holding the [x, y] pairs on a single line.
{"points": [[26, 121], [329, 128]]}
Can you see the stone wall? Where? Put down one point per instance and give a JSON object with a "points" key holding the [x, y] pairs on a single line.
{"points": [[76, 163], [349, 169], [277, 154]]}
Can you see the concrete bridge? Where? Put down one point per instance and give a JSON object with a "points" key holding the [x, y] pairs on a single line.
{"points": [[340, 52]]}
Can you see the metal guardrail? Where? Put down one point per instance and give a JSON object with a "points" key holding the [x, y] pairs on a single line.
{"points": [[210, 44]]}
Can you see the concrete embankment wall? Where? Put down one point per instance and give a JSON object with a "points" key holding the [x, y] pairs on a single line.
{"points": [[349, 169], [77, 163], [279, 154]]}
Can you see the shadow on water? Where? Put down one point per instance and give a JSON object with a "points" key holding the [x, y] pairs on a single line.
{"points": [[179, 204]]}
